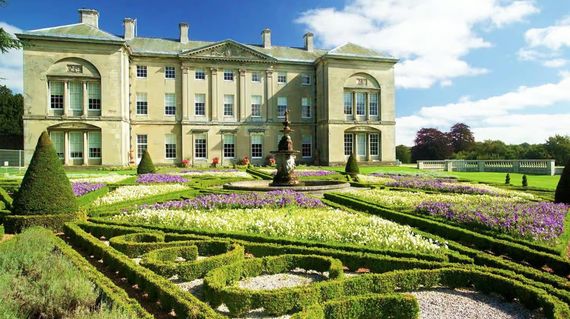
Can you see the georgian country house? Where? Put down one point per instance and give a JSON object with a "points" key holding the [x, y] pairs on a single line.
{"points": [[104, 98]]}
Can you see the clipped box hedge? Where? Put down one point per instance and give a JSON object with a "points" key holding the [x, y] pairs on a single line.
{"points": [[219, 253], [14, 224], [219, 288], [379, 306]]}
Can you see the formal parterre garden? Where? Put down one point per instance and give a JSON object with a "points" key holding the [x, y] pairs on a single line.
{"points": [[173, 243]]}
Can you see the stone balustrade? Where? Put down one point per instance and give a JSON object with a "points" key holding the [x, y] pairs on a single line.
{"points": [[539, 167]]}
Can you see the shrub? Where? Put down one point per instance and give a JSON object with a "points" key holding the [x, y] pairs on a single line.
{"points": [[508, 179], [524, 181], [351, 165], [5, 199], [562, 194], [45, 188], [146, 166]]}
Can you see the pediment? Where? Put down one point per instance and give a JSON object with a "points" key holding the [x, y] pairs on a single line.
{"points": [[227, 50]]}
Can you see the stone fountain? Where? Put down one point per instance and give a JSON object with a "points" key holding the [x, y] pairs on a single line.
{"points": [[285, 178], [285, 158]]}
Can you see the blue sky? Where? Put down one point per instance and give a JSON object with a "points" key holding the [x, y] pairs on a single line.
{"points": [[500, 66]]}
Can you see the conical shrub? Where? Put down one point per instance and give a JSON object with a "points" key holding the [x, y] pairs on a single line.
{"points": [[45, 188], [352, 165], [146, 166], [562, 194]]}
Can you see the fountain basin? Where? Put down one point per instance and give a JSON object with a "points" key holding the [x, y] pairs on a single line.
{"points": [[307, 186]]}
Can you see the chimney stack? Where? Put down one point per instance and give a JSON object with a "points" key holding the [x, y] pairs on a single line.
{"points": [[89, 17], [183, 32], [129, 25], [266, 38], [308, 41]]}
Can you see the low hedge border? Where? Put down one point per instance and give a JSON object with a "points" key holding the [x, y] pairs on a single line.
{"points": [[170, 296], [14, 224], [137, 244], [285, 241], [219, 253], [379, 306], [483, 242], [111, 293], [219, 288], [5, 199]]}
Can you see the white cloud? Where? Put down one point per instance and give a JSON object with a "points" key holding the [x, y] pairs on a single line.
{"points": [[11, 63], [432, 37], [498, 117], [548, 44]]}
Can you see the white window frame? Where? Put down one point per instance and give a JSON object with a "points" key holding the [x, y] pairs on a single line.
{"points": [[348, 140], [251, 144], [60, 96], [142, 97], [201, 102], [58, 140], [307, 140], [73, 145], [171, 106], [257, 105], [168, 143], [229, 75], [233, 138], [201, 137], [255, 75], [94, 93], [281, 78], [370, 103], [141, 146], [345, 105], [229, 105], [142, 71], [199, 71], [76, 98], [279, 105], [91, 143], [170, 72], [374, 139], [306, 106], [360, 104], [307, 78]]}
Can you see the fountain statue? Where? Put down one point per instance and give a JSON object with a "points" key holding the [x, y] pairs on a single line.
{"points": [[285, 158]]}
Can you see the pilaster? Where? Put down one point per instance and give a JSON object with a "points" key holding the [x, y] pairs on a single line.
{"points": [[241, 107]]}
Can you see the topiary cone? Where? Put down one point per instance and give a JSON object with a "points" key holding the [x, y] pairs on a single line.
{"points": [[45, 188], [562, 194], [145, 166], [352, 165]]}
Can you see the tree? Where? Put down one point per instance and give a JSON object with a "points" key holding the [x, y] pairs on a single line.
{"points": [[146, 166], [461, 137], [558, 147], [562, 194], [11, 111], [404, 154], [351, 167], [45, 188], [6, 40], [431, 144]]}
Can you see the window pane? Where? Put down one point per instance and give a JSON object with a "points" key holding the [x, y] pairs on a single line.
{"points": [[199, 74], [58, 144], [76, 97], [200, 104], [94, 95], [141, 71], [56, 94], [169, 72], [348, 144], [200, 146], [170, 146], [281, 106], [94, 144], [141, 144], [229, 146], [170, 104], [255, 77], [142, 104], [76, 144], [281, 77], [374, 104], [228, 75], [306, 146], [348, 103], [306, 107], [361, 146], [360, 103], [374, 144], [256, 146], [256, 105], [228, 105]]}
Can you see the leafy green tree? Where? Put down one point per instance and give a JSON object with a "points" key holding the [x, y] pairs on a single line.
{"points": [[508, 179], [11, 111], [558, 147], [404, 154], [6, 40], [146, 165], [524, 181], [562, 194], [45, 188]]}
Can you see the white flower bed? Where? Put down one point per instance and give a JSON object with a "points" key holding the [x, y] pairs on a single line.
{"points": [[105, 179], [220, 173], [131, 192], [319, 224]]}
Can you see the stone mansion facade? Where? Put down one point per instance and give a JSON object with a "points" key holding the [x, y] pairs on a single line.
{"points": [[104, 99]]}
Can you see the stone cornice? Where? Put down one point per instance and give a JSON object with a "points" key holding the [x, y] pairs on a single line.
{"points": [[73, 118], [345, 122]]}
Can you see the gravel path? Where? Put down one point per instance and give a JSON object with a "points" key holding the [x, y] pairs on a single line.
{"points": [[296, 277], [466, 304]]}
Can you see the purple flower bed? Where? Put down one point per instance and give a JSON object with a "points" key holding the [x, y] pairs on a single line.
{"points": [[302, 173], [82, 188], [440, 185], [160, 178], [539, 221], [209, 170], [277, 199]]}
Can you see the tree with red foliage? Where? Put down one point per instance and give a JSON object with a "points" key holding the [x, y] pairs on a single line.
{"points": [[461, 137], [431, 144]]}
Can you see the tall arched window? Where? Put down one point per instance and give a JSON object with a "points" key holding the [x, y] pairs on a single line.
{"points": [[74, 88], [362, 98]]}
